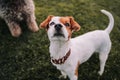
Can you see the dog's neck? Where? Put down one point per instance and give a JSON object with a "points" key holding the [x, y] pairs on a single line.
{"points": [[58, 49]]}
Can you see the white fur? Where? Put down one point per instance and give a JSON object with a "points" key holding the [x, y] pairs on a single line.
{"points": [[82, 47]]}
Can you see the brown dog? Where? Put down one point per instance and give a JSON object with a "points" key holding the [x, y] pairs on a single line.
{"points": [[14, 11]]}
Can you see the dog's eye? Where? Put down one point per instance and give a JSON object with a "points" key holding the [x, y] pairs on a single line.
{"points": [[67, 24], [52, 23]]}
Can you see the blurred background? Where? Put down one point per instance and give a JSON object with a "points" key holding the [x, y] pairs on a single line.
{"points": [[27, 57]]}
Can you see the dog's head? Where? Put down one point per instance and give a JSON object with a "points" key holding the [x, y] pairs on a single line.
{"points": [[60, 28]]}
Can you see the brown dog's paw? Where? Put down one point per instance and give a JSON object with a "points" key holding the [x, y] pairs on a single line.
{"points": [[16, 31]]}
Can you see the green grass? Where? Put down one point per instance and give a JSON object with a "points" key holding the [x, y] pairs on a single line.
{"points": [[27, 57]]}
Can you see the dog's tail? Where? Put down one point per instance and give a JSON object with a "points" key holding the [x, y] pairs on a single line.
{"points": [[111, 21]]}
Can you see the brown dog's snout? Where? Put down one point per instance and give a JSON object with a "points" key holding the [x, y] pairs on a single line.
{"points": [[58, 27]]}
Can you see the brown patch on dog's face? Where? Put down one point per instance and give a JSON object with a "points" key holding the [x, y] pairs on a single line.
{"points": [[66, 22], [45, 23], [70, 24]]}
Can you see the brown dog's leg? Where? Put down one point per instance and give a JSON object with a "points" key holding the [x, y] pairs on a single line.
{"points": [[32, 25], [14, 28]]}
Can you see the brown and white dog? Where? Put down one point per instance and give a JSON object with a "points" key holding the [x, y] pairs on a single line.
{"points": [[66, 53]]}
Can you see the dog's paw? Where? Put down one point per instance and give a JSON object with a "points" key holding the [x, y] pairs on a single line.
{"points": [[62, 76], [16, 31], [33, 26], [100, 73]]}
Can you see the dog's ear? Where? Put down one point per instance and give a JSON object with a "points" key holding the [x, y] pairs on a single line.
{"points": [[74, 25], [45, 23]]}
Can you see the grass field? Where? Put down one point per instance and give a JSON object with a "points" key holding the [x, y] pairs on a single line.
{"points": [[27, 57]]}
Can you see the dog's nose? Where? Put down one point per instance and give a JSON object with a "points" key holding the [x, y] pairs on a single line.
{"points": [[58, 27]]}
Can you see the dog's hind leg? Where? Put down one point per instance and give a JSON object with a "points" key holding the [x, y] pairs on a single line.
{"points": [[14, 28], [103, 58]]}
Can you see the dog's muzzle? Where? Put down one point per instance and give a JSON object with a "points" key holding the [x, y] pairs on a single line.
{"points": [[58, 30], [58, 27]]}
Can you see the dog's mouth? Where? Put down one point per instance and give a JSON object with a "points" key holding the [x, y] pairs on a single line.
{"points": [[58, 34]]}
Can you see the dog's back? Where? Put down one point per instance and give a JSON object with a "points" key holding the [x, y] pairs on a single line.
{"points": [[87, 44], [94, 41]]}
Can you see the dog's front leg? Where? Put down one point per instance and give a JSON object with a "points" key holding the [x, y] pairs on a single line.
{"points": [[14, 28], [72, 74], [73, 77], [63, 75], [32, 25]]}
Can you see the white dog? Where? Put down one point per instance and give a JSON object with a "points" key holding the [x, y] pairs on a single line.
{"points": [[66, 53]]}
